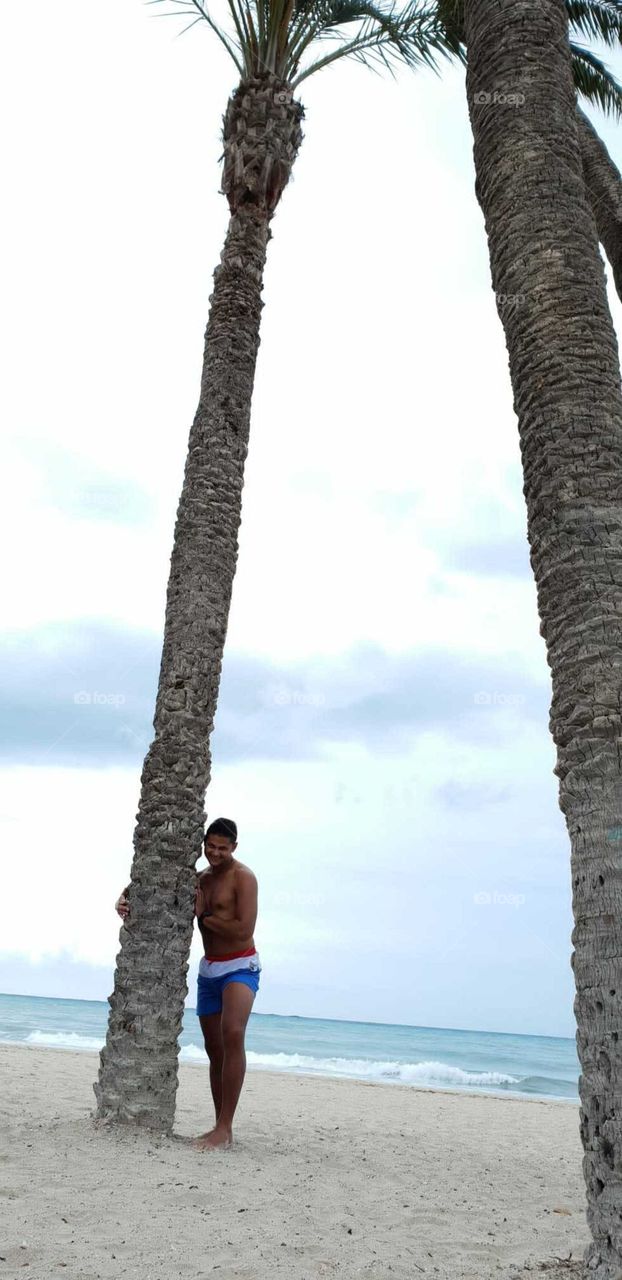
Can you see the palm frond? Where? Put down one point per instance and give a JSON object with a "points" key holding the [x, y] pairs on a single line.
{"points": [[413, 35], [199, 6], [242, 14], [595, 82], [323, 20], [451, 13], [274, 35], [596, 19]]}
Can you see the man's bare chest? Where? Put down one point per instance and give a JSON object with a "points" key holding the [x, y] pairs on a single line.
{"points": [[219, 892]]}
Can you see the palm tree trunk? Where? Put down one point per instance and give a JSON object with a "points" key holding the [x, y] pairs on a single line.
{"points": [[602, 179], [548, 278], [604, 186], [138, 1072]]}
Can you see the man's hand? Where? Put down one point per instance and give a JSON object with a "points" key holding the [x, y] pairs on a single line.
{"points": [[122, 906], [200, 903]]}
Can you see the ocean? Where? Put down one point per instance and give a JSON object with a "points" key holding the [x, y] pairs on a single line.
{"points": [[436, 1057]]}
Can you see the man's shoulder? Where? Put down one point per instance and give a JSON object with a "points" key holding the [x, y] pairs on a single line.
{"points": [[243, 872]]}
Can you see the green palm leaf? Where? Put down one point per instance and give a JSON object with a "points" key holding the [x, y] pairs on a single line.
{"points": [[596, 19], [275, 35], [594, 82], [413, 35], [272, 36]]}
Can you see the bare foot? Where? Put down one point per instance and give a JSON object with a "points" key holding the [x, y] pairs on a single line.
{"points": [[215, 1138]]}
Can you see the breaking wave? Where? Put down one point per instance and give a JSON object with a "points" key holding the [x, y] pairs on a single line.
{"points": [[64, 1040], [420, 1073]]}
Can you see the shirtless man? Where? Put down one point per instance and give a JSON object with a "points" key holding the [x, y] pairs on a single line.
{"points": [[226, 911]]}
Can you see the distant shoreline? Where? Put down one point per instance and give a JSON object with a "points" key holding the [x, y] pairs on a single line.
{"points": [[505, 1096], [499, 1064]]}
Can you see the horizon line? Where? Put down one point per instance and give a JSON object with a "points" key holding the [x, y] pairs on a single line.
{"points": [[361, 1022]]}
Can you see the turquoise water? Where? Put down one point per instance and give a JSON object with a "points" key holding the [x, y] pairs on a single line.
{"points": [[476, 1061]]}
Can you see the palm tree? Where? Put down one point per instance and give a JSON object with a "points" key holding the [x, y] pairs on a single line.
{"points": [[275, 45], [604, 186], [565, 375], [599, 20]]}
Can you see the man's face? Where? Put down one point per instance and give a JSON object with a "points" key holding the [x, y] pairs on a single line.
{"points": [[219, 851]]}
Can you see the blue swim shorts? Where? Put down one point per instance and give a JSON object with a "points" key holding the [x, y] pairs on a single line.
{"points": [[209, 990]]}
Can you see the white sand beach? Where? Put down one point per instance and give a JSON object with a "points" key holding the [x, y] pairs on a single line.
{"points": [[326, 1178]]}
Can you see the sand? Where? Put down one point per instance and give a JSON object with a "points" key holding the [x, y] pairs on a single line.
{"points": [[328, 1178]]}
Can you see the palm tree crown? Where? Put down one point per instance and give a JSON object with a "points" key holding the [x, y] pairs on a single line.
{"points": [[272, 37]]}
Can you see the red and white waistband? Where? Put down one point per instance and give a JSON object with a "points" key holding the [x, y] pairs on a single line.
{"points": [[216, 966]]}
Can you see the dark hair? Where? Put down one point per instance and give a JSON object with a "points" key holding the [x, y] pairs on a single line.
{"points": [[222, 827]]}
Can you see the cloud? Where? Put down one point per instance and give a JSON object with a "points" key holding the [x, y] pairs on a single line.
{"points": [[395, 504], [460, 794], [54, 976], [507, 557], [81, 489], [84, 694], [77, 694]]}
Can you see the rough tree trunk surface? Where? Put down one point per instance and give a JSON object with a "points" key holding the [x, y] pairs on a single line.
{"points": [[138, 1071], [549, 282], [604, 186], [602, 178], [262, 133]]}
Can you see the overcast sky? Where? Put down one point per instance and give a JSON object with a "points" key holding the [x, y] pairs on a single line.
{"points": [[382, 730]]}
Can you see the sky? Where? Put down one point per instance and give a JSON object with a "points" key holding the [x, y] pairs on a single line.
{"points": [[382, 735]]}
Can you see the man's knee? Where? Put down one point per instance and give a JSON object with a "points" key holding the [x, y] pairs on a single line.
{"points": [[214, 1050], [233, 1035], [212, 1037]]}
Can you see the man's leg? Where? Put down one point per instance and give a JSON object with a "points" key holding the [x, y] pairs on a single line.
{"points": [[237, 1002], [212, 1036]]}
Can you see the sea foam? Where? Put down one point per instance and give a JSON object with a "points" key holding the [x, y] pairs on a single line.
{"points": [[64, 1040], [420, 1073], [416, 1073]]}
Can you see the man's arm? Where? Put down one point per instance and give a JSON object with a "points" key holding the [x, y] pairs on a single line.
{"points": [[243, 923], [199, 900], [122, 907]]}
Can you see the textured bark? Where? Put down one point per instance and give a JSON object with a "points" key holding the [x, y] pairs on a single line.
{"points": [[262, 135], [604, 186], [549, 282], [138, 1072], [602, 178]]}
